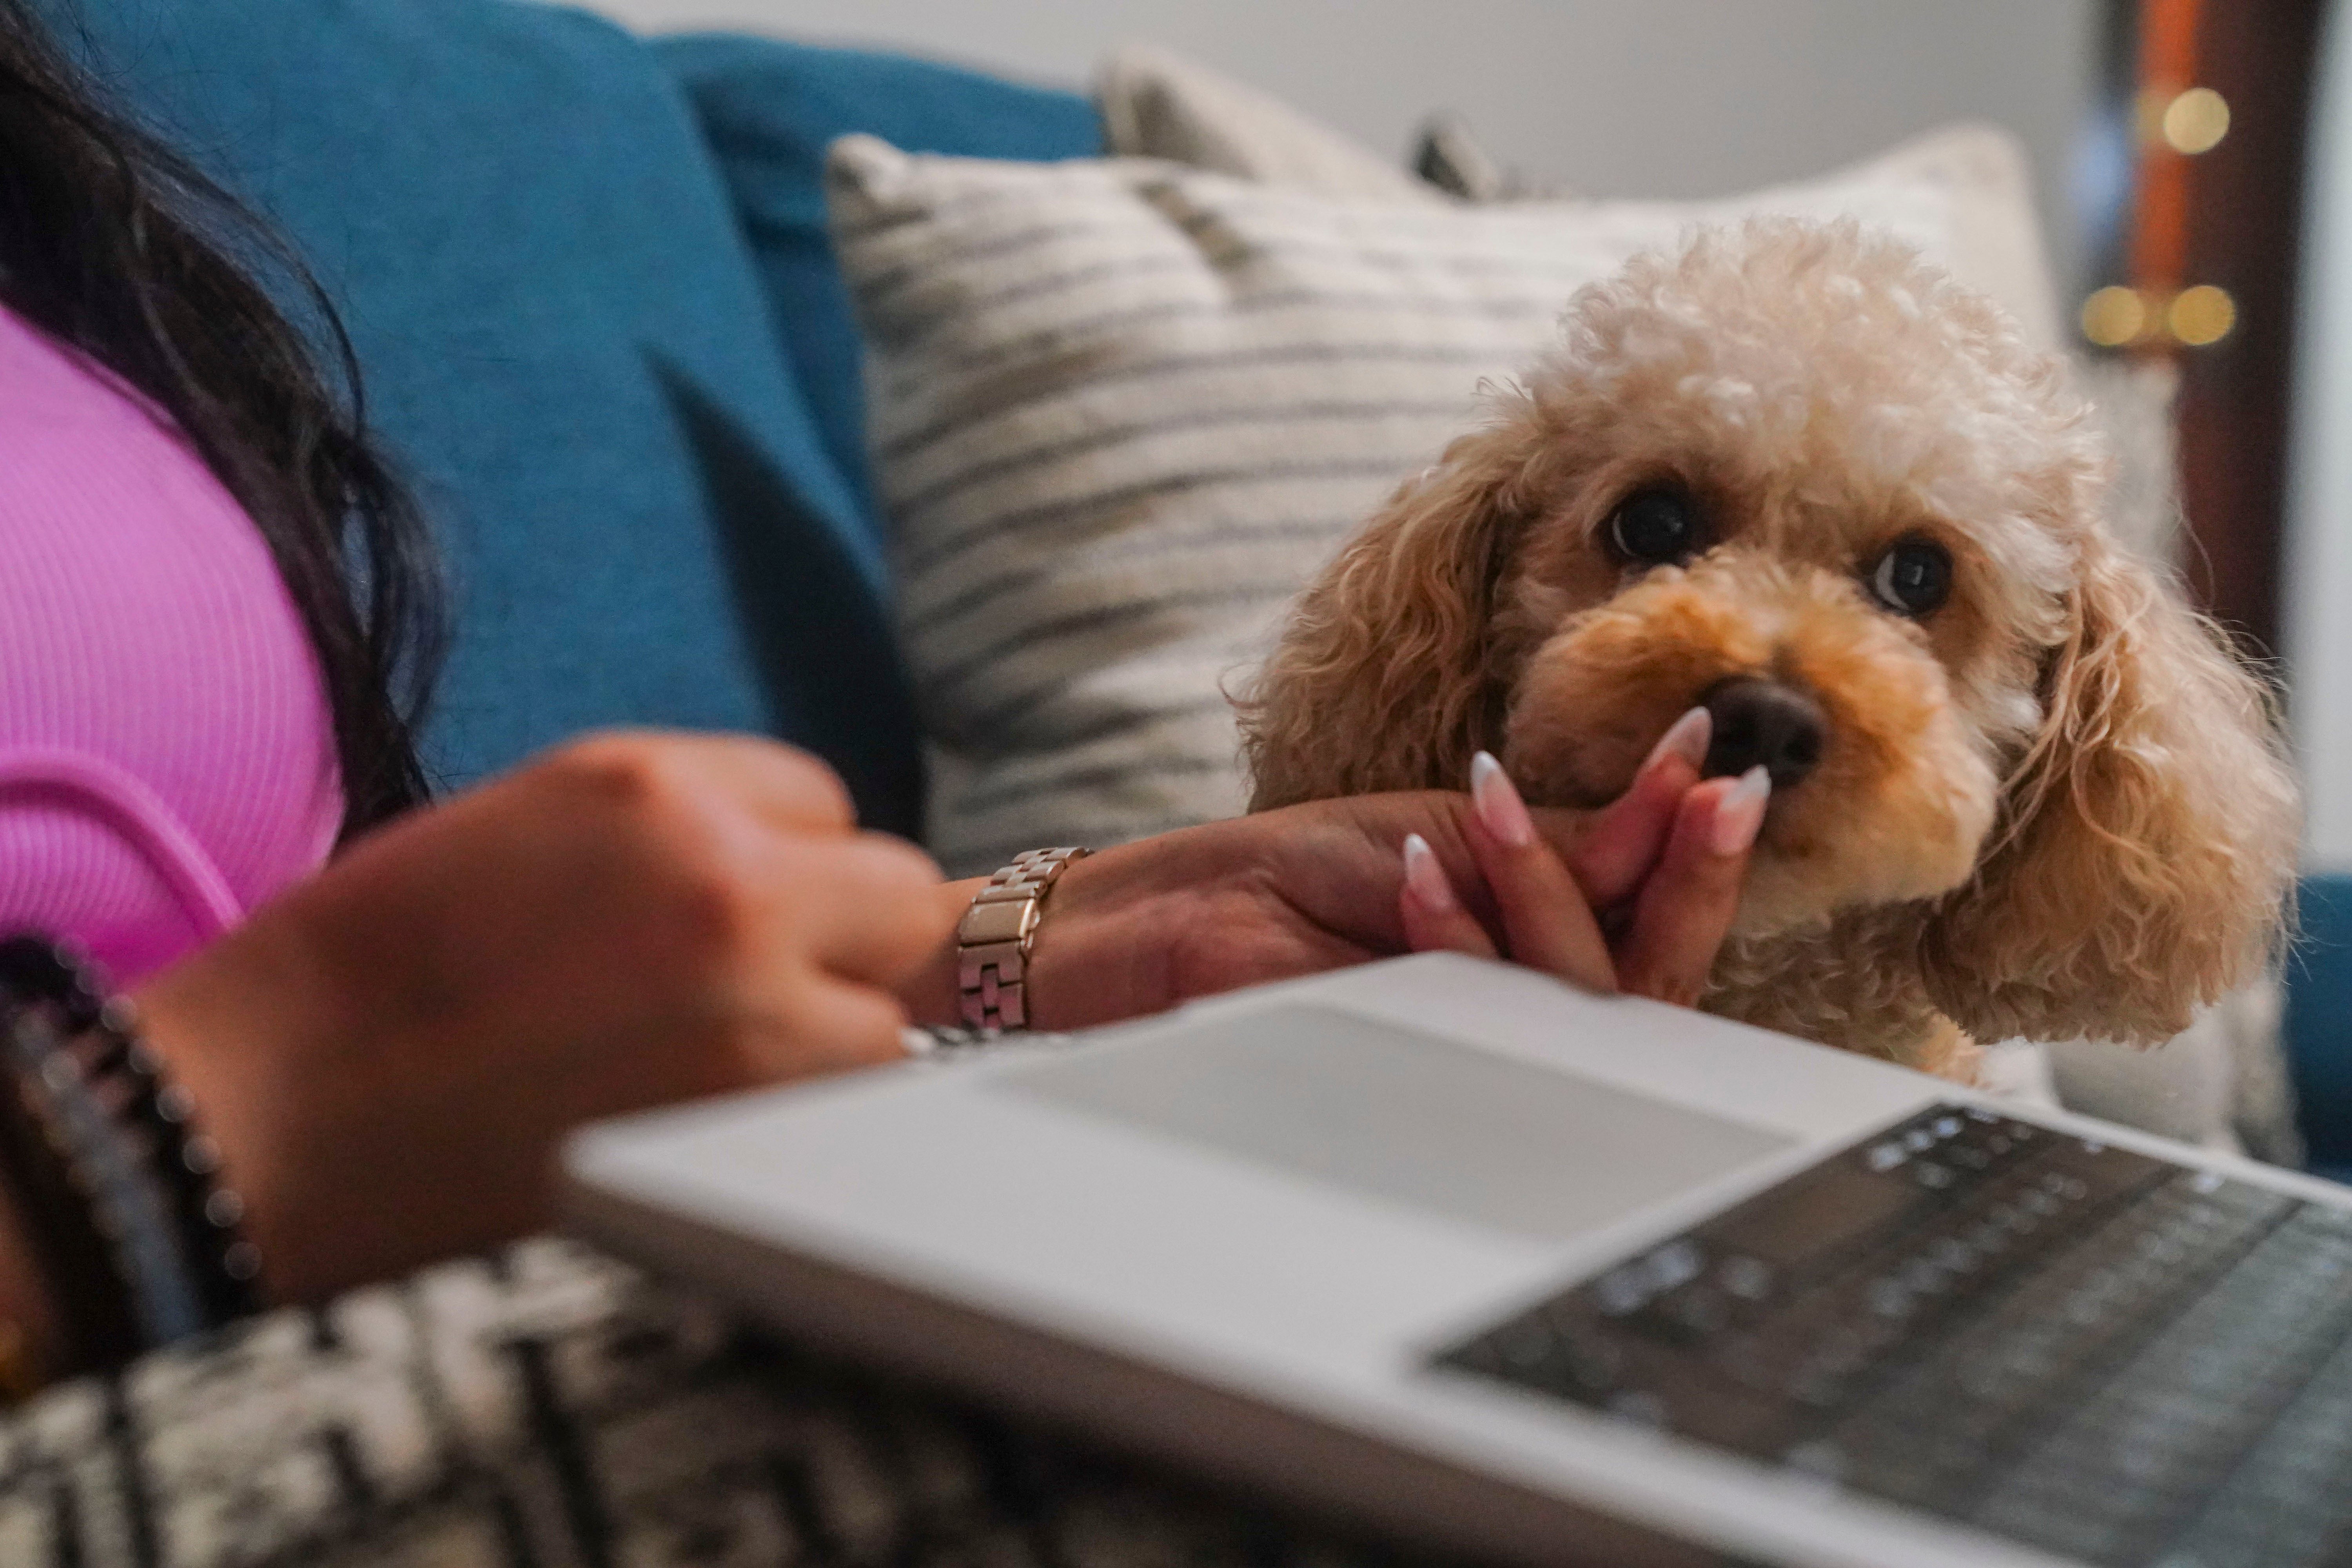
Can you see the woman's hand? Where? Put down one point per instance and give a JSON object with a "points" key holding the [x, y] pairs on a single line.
{"points": [[1636, 897], [1669, 912], [388, 1054]]}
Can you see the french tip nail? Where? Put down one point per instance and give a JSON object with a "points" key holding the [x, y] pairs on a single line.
{"points": [[1686, 738], [1423, 876], [1739, 814], [1496, 799]]}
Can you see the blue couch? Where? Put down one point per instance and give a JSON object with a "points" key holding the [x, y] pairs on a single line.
{"points": [[601, 328], [589, 285], [2318, 1024]]}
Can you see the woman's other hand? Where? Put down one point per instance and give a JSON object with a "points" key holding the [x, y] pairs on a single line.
{"points": [[389, 1053]]}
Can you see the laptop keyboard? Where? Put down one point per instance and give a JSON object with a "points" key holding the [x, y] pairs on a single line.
{"points": [[2078, 1347]]}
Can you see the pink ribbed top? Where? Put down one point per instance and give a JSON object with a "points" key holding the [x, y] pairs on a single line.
{"points": [[166, 757]]}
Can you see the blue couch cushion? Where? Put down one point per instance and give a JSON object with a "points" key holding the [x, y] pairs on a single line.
{"points": [[769, 110], [2319, 1022], [566, 344]]}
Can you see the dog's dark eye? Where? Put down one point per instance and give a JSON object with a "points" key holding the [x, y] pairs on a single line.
{"points": [[1914, 577], [1655, 527]]}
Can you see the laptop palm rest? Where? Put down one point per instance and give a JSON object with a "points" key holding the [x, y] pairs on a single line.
{"points": [[1538, 1153]]}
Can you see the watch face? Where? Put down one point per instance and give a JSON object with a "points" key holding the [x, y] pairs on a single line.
{"points": [[999, 915]]}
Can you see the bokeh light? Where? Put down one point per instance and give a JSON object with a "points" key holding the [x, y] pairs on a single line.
{"points": [[2201, 315], [2114, 316], [2196, 120]]}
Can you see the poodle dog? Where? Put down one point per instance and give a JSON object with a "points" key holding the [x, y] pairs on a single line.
{"points": [[1797, 475]]}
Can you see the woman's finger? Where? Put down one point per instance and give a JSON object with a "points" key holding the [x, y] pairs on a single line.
{"points": [[876, 915], [1611, 850], [1433, 916], [827, 1027], [1546, 918], [783, 786], [1685, 909], [790, 788]]}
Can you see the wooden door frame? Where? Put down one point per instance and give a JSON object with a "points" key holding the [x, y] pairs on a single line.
{"points": [[2244, 231]]}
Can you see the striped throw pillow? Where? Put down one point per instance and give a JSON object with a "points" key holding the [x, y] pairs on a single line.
{"points": [[1120, 411]]}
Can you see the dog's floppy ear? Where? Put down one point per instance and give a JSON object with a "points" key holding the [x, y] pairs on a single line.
{"points": [[2150, 838], [1380, 681]]}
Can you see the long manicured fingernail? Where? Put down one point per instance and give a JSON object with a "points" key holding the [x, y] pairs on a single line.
{"points": [[1741, 811], [1500, 810], [1686, 738], [1424, 877]]}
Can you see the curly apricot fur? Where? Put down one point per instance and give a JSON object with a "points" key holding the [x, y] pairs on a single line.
{"points": [[2056, 806]]}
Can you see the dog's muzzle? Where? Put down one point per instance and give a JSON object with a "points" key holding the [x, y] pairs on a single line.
{"points": [[1761, 722]]}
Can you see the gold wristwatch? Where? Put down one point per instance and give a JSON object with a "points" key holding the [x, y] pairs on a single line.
{"points": [[995, 938]]}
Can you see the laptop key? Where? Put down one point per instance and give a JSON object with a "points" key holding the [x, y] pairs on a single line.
{"points": [[2082, 1347]]}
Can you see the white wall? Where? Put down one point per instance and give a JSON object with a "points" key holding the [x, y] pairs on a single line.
{"points": [[2320, 505], [1614, 97]]}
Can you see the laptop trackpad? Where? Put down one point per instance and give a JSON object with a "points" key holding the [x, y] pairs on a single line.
{"points": [[1336, 1096]]}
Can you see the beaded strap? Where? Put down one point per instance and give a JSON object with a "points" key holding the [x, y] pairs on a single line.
{"points": [[124, 1137], [97, 1313]]}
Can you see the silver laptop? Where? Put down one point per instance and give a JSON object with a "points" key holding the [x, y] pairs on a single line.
{"points": [[1480, 1260]]}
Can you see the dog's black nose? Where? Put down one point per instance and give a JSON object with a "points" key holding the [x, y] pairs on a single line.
{"points": [[1768, 722]]}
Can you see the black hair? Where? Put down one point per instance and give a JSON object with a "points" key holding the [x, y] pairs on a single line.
{"points": [[115, 244]]}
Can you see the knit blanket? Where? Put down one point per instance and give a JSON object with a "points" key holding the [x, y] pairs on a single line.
{"points": [[548, 1408]]}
